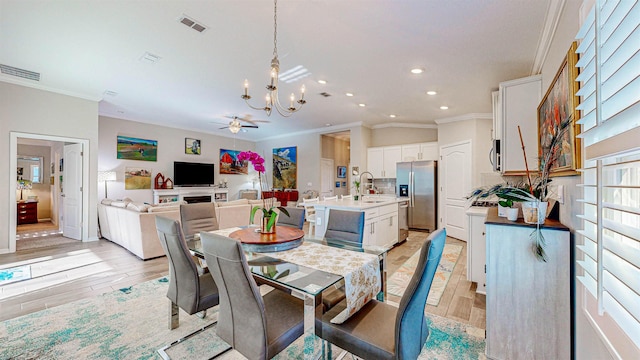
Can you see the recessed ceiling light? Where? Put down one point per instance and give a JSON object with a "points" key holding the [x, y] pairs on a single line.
{"points": [[322, 82], [349, 94], [417, 71], [444, 107], [362, 105], [392, 115], [431, 92]]}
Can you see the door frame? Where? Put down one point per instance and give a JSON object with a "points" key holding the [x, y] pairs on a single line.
{"points": [[322, 161], [13, 163]]}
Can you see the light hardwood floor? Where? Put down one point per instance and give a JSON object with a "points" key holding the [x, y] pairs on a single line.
{"points": [[69, 272]]}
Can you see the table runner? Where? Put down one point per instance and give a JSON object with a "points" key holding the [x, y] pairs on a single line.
{"points": [[361, 271]]}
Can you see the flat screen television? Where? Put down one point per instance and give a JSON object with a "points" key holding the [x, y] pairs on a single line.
{"points": [[193, 174]]}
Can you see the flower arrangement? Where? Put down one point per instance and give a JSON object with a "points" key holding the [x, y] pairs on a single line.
{"points": [[268, 205], [356, 184], [534, 191]]}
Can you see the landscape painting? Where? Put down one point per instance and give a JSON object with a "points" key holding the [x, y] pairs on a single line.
{"points": [[137, 178], [192, 146], [229, 163], [285, 169], [130, 148]]}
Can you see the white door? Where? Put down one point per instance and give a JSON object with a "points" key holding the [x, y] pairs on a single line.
{"points": [[326, 175], [455, 186], [72, 192]]}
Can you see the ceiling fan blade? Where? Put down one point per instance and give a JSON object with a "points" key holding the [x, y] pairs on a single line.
{"points": [[250, 126]]}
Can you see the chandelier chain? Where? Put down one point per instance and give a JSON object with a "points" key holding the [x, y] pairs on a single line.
{"points": [[275, 28]]}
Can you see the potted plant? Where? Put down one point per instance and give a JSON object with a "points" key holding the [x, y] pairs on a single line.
{"points": [[268, 205], [511, 213], [356, 184], [534, 193]]}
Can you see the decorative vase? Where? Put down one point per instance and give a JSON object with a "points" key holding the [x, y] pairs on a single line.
{"points": [[356, 197], [265, 229], [512, 214], [502, 211], [534, 212]]}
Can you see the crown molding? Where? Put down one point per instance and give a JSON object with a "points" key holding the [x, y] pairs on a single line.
{"points": [[10, 80], [472, 116], [404, 125], [551, 21]]}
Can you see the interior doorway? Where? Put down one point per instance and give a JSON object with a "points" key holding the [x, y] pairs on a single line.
{"points": [[52, 178], [335, 179]]}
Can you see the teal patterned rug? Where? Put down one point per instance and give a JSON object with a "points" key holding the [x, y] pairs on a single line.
{"points": [[132, 324]]}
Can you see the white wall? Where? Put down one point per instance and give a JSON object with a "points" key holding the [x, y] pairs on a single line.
{"points": [[171, 147], [402, 135], [29, 110]]}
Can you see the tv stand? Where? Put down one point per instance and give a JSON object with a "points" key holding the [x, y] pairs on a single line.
{"points": [[191, 192]]}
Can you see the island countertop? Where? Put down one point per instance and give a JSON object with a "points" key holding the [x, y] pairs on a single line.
{"points": [[364, 203]]}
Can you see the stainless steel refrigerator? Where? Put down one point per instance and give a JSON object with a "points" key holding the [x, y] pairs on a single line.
{"points": [[417, 182]]}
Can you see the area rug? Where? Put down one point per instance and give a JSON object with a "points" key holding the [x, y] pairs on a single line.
{"points": [[400, 279], [132, 324], [43, 241], [15, 274]]}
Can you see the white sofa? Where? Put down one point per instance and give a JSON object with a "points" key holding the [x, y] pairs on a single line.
{"points": [[132, 225]]}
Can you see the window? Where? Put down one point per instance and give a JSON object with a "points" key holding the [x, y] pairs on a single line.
{"points": [[609, 241]]}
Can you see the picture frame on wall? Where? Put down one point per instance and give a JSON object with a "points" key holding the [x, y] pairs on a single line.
{"points": [[130, 148], [558, 105], [192, 146], [337, 184], [342, 172], [229, 163], [285, 167]]}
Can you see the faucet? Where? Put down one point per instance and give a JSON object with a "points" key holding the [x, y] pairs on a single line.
{"points": [[362, 184]]}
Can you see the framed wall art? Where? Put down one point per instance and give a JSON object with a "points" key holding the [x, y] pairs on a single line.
{"points": [[191, 146], [342, 172], [137, 178], [130, 148], [285, 167], [559, 104], [229, 163]]}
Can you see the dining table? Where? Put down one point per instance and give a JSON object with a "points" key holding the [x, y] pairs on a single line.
{"points": [[316, 265]]}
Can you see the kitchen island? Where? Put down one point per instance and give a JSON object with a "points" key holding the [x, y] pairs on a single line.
{"points": [[380, 218]]}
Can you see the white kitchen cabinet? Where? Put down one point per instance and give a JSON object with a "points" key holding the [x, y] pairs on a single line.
{"points": [[381, 161], [529, 302], [381, 226], [519, 100], [476, 248], [420, 151]]}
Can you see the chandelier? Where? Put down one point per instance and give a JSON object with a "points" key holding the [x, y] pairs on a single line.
{"points": [[272, 101]]}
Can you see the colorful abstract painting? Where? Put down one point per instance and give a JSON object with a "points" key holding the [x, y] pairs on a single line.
{"points": [[191, 146], [229, 163], [137, 178], [285, 168], [130, 148]]}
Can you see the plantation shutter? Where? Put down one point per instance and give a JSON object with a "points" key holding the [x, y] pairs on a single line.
{"points": [[609, 253]]}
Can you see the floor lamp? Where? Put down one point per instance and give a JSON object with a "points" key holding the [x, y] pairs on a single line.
{"points": [[106, 176]]}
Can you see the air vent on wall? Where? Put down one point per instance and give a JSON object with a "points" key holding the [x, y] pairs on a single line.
{"points": [[325, 94], [14, 71], [190, 22]]}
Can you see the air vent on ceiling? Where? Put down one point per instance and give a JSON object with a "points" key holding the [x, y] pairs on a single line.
{"points": [[14, 71], [325, 94], [190, 22]]}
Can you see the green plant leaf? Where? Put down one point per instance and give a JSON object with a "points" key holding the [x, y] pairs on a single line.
{"points": [[253, 213], [284, 210], [272, 220]]}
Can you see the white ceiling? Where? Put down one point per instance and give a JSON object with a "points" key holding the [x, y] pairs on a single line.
{"points": [[85, 48]]}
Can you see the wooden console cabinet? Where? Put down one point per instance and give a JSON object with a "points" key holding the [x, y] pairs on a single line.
{"points": [[27, 213]]}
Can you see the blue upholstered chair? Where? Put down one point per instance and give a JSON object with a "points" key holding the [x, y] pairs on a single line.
{"points": [[346, 226], [382, 331], [295, 218]]}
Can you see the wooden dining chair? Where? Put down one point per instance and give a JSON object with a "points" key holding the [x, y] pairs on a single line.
{"points": [[310, 212], [382, 331], [188, 290], [259, 327], [295, 218]]}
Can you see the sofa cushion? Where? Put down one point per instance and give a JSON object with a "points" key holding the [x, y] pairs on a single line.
{"points": [[233, 203], [119, 203], [138, 206], [106, 201], [163, 208]]}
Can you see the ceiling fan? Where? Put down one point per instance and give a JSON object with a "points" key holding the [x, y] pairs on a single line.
{"points": [[235, 126]]}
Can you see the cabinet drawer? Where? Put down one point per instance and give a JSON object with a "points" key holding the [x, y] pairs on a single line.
{"points": [[387, 209], [370, 213]]}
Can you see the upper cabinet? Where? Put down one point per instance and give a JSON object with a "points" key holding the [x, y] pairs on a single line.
{"points": [[422, 151], [381, 161], [518, 106]]}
